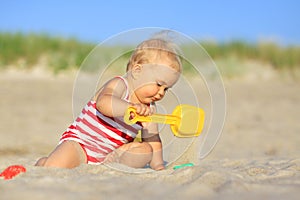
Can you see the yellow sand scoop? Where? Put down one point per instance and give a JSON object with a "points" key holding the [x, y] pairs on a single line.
{"points": [[185, 121]]}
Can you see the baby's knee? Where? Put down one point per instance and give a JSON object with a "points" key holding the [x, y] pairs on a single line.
{"points": [[147, 147], [142, 147]]}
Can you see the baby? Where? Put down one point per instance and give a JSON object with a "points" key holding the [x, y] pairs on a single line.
{"points": [[99, 134]]}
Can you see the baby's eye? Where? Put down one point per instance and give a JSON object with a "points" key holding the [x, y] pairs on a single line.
{"points": [[160, 85]]}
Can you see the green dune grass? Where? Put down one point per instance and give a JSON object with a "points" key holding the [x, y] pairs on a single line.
{"points": [[279, 57], [63, 54]]}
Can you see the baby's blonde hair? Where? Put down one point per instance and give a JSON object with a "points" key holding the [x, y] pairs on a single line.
{"points": [[153, 50]]}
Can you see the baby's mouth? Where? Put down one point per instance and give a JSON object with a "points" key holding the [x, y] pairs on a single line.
{"points": [[155, 99]]}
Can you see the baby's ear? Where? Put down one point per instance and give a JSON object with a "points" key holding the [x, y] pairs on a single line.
{"points": [[136, 70]]}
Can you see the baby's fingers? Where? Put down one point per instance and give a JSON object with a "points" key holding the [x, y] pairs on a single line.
{"points": [[146, 111], [142, 110]]}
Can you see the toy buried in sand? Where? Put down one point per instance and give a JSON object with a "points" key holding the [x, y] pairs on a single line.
{"points": [[185, 121], [12, 171]]}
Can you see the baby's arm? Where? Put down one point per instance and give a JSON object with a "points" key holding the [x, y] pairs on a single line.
{"points": [[109, 100], [150, 135]]}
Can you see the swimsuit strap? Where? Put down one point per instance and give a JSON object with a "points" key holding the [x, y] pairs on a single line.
{"points": [[127, 88]]}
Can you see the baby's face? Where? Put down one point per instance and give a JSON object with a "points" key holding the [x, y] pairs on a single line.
{"points": [[153, 81]]}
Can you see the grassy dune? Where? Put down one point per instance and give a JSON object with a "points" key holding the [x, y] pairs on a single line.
{"points": [[26, 50], [279, 57]]}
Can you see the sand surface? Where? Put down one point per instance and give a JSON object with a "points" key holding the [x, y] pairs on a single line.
{"points": [[257, 156]]}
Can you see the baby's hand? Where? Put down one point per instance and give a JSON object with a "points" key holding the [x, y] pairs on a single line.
{"points": [[143, 110], [158, 167]]}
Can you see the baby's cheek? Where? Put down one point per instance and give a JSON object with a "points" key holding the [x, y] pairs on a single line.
{"points": [[151, 91]]}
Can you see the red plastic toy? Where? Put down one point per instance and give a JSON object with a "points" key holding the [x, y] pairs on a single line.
{"points": [[12, 171]]}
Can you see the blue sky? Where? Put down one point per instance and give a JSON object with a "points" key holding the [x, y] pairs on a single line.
{"points": [[95, 21]]}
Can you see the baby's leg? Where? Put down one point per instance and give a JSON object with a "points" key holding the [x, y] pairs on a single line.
{"points": [[134, 154], [68, 154]]}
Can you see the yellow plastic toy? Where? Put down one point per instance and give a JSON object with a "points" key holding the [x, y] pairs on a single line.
{"points": [[185, 121]]}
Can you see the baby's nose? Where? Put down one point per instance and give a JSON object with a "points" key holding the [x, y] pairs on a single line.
{"points": [[161, 92]]}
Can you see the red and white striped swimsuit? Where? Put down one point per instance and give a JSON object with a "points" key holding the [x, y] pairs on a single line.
{"points": [[98, 134]]}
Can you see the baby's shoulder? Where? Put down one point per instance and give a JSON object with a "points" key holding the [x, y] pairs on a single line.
{"points": [[117, 81], [117, 84]]}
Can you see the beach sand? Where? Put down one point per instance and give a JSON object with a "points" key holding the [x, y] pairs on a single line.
{"points": [[257, 155]]}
